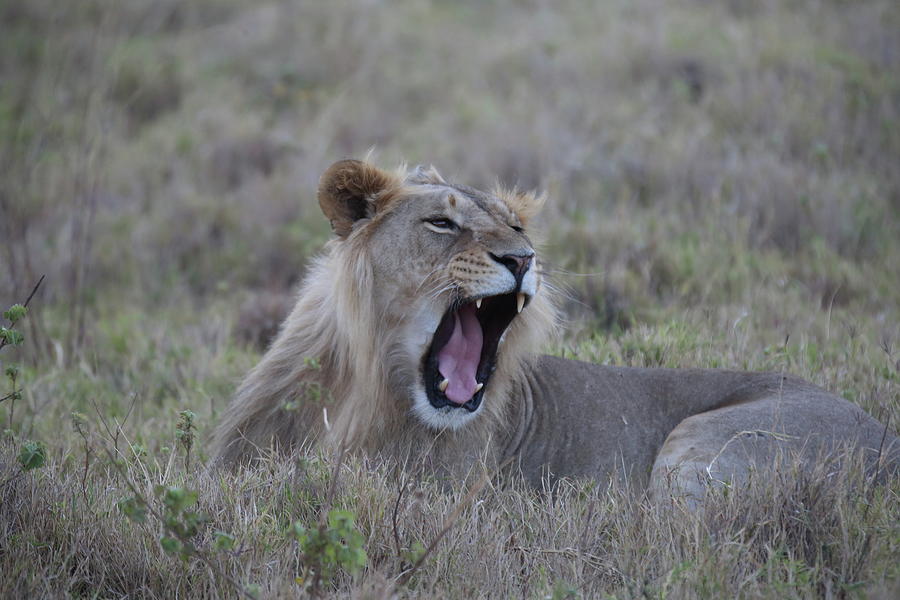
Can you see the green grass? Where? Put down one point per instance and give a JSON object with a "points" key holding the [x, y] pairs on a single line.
{"points": [[724, 193]]}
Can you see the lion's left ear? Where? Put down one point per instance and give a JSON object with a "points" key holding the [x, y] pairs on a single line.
{"points": [[349, 191], [524, 204]]}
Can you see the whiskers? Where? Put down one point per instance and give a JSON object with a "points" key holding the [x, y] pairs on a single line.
{"points": [[428, 277], [552, 279], [439, 290], [436, 285]]}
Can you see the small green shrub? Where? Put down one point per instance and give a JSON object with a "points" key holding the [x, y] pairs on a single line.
{"points": [[330, 547], [181, 524], [184, 433], [33, 455]]}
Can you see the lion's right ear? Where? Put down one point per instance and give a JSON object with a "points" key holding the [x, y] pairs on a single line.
{"points": [[349, 191]]}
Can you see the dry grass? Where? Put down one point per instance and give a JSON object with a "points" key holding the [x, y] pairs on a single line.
{"points": [[725, 193], [830, 536]]}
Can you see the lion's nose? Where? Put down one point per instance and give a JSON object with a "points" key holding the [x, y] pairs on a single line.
{"points": [[517, 264]]}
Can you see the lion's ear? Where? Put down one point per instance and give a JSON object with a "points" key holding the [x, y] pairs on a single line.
{"points": [[524, 204], [349, 190]]}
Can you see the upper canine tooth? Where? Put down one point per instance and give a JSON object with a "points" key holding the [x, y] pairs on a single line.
{"points": [[478, 388], [478, 303], [520, 302], [443, 385]]}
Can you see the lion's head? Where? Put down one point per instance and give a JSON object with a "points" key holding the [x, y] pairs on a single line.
{"points": [[421, 310]]}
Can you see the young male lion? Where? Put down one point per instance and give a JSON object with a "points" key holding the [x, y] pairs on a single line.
{"points": [[414, 335]]}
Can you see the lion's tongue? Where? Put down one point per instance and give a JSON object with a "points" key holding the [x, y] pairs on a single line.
{"points": [[458, 360]]}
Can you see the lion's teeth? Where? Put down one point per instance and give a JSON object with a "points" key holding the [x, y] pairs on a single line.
{"points": [[520, 302], [478, 303], [478, 388], [443, 385]]}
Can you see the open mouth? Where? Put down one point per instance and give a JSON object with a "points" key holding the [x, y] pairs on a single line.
{"points": [[463, 352]]}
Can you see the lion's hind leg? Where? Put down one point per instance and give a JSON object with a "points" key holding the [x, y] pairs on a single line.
{"points": [[729, 447]]}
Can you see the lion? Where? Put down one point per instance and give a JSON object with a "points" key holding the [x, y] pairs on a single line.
{"points": [[415, 335]]}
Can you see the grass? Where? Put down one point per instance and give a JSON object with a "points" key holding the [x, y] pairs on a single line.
{"points": [[724, 193]]}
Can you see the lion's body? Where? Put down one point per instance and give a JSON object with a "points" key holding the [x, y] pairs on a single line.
{"points": [[359, 360], [680, 428]]}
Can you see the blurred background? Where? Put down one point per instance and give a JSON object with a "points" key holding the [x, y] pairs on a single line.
{"points": [[724, 176]]}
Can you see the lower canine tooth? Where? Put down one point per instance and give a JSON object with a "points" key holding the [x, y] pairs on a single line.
{"points": [[478, 387], [443, 385], [520, 302]]}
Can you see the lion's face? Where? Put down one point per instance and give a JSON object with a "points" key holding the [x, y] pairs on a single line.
{"points": [[452, 269]]}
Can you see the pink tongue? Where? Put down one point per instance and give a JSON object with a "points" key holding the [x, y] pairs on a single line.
{"points": [[458, 360]]}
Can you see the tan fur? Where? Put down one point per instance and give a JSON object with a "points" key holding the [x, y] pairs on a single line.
{"points": [[345, 368], [526, 204]]}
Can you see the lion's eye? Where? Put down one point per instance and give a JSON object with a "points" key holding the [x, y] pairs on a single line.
{"points": [[517, 228], [442, 224]]}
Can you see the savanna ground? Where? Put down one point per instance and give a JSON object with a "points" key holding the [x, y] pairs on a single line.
{"points": [[725, 192]]}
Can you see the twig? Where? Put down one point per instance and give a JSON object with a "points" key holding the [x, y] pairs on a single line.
{"points": [[114, 438], [3, 342], [130, 408], [448, 523], [400, 492], [87, 456], [34, 291]]}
